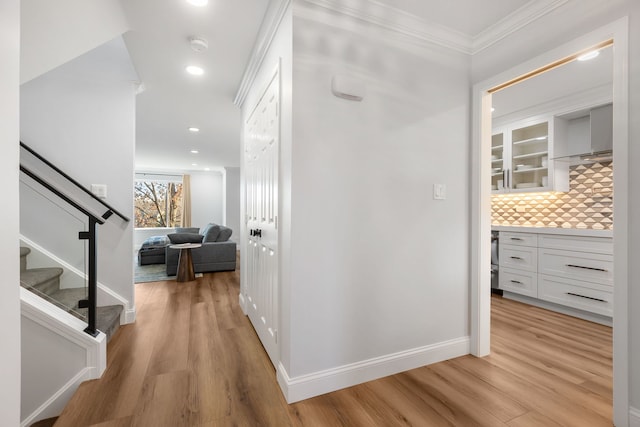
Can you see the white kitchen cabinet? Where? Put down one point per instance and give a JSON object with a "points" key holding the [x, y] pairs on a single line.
{"points": [[521, 158], [518, 261], [571, 270]]}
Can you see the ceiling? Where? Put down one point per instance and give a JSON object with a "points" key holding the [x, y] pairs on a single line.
{"points": [[172, 101]]}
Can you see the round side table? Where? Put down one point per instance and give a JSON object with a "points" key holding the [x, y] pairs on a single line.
{"points": [[185, 271]]}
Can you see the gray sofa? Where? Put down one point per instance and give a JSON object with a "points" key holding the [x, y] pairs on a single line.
{"points": [[217, 252]]}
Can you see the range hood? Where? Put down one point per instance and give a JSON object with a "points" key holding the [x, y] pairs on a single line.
{"points": [[587, 137]]}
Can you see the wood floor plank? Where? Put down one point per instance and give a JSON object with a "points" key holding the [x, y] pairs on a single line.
{"points": [[533, 419], [193, 359]]}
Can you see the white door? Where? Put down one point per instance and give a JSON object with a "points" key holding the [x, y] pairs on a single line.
{"points": [[261, 137]]}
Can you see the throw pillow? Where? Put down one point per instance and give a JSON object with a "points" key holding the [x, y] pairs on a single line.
{"points": [[179, 238], [210, 232], [193, 230], [224, 235]]}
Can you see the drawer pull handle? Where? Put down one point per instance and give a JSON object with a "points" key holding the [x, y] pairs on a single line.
{"points": [[515, 257], [516, 238], [586, 268], [582, 296], [516, 282]]}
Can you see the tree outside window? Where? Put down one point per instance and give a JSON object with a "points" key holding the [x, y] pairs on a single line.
{"points": [[157, 204]]}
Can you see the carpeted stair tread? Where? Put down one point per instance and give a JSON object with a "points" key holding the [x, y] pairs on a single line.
{"points": [[45, 280], [108, 319], [69, 297]]}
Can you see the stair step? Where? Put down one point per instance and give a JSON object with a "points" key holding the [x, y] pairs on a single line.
{"points": [[23, 257], [44, 280], [108, 319]]}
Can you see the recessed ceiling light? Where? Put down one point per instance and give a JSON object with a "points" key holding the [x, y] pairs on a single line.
{"points": [[194, 164], [194, 151], [194, 130], [589, 55], [198, 3], [194, 70], [207, 169]]}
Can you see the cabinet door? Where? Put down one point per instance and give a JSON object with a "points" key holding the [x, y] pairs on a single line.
{"points": [[530, 157]]}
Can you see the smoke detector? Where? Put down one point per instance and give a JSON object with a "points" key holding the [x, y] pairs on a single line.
{"points": [[198, 44]]}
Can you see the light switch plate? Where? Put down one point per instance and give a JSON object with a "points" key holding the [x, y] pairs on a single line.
{"points": [[439, 191], [100, 190]]}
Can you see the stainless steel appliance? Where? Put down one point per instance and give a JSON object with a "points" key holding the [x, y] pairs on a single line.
{"points": [[495, 241]]}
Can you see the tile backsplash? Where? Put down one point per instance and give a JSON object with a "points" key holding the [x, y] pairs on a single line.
{"points": [[588, 204]]}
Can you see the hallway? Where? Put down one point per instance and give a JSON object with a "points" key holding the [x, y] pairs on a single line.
{"points": [[193, 359]]}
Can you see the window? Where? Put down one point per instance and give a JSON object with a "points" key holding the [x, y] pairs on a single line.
{"points": [[158, 203]]}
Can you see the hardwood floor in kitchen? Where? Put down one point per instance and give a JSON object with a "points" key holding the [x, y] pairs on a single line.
{"points": [[193, 359]]}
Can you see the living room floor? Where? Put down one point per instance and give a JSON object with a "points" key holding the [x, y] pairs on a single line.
{"points": [[193, 359]]}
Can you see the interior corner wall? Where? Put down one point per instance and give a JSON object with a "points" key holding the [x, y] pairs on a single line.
{"points": [[575, 18], [9, 285], [378, 267], [231, 198], [81, 117]]}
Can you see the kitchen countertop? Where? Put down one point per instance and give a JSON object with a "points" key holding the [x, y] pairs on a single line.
{"points": [[548, 230]]}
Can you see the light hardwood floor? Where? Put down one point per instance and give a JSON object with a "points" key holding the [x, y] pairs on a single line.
{"points": [[193, 359]]}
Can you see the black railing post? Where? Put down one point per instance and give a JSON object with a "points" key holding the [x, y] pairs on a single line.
{"points": [[93, 279]]}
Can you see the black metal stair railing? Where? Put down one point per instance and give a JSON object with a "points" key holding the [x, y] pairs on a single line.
{"points": [[90, 235], [110, 210]]}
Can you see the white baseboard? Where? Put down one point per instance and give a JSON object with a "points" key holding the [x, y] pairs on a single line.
{"points": [[129, 316], [307, 386], [634, 417], [56, 403]]}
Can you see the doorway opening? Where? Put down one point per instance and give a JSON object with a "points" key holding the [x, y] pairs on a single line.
{"points": [[528, 173]]}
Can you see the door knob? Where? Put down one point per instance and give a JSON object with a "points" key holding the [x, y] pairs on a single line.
{"points": [[258, 232]]}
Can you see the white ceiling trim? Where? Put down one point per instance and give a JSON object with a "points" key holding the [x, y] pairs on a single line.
{"points": [[411, 25], [513, 22], [399, 21], [265, 37]]}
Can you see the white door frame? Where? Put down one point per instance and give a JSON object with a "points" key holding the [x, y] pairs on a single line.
{"points": [[481, 202]]}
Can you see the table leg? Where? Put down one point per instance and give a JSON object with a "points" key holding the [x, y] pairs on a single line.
{"points": [[185, 266]]}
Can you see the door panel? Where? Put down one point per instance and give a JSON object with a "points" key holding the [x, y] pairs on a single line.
{"points": [[262, 134]]}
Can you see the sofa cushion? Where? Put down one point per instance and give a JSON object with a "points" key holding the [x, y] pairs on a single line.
{"points": [[178, 238], [210, 232], [225, 233], [194, 230]]}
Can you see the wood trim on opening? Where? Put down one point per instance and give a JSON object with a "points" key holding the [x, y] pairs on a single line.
{"points": [[550, 66]]}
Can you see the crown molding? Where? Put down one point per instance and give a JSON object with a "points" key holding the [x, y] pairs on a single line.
{"points": [[267, 32], [513, 22], [379, 14], [390, 18], [387, 17]]}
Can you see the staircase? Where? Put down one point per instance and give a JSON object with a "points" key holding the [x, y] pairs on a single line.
{"points": [[45, 282]]}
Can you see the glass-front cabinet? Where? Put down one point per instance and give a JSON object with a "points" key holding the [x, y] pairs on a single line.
{"points": [[521, 156]]}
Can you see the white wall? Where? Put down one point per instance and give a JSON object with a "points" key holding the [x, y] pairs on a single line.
{"points": [[231, 198], [207, 202], [9, 285], [81, 116], [378, 266], [574, 19], [56, 32]]}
